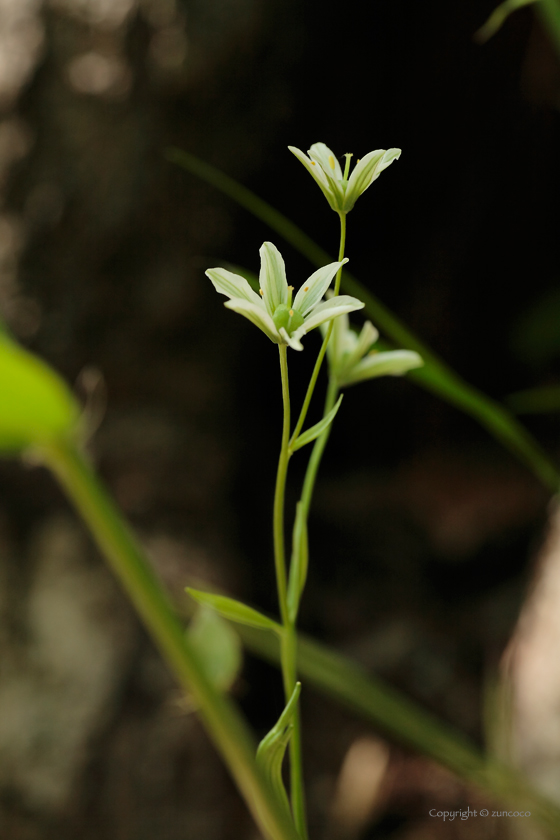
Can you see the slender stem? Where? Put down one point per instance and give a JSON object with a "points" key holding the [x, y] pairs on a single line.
{"points": [[323, 350], [288, 648], [224, 724], [278, 515], [318, 449]]}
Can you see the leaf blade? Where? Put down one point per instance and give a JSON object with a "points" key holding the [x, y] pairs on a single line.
{"points": [[314, 431], [234, 610]]}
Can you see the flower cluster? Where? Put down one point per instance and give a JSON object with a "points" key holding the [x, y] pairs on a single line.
{"points": [[340, 191], [352, 359], [284, 321]]}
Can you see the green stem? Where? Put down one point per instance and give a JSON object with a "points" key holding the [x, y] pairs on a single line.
{"points": [[323, 350], [288, 647], [224, 724], [317, 452], [279, 494]]}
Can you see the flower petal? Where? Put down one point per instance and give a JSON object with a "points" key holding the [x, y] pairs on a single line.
{"points": [[327, 310], [232, 285], [323, 158], [365, 173], [391, 363], [257, 315], [362, 344], [313, 290], [272, 277], [328, 160], [317, 173], [291, 340]]}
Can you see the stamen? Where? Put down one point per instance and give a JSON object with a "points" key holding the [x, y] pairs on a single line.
{"points": [[331, 162], [313, 163], [261, 292], [306, 289], [357, 162]]}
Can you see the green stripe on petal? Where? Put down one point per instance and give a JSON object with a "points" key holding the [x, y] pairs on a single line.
{"points": [[257, 315], [272, 277], [327, 310], [366, 172], [232, 285], [313, 290]]}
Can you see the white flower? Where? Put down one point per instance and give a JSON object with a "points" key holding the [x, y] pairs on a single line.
{"points": [[342, 193], [273, 311], [352, 359]]}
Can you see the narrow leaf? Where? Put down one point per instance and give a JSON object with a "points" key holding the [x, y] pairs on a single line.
{"points": [[234, 610], [272, 748], [299, 562], [435, 376], [317, 429]]}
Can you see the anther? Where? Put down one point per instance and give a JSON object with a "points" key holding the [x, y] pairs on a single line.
{"points": [[261, 292], [291, 313], [331, 162], [306, 289], [313, 163]]}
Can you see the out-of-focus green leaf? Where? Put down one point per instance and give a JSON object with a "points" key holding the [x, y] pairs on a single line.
{"points": [[436, 376], [535, 400], [498, 17], [234, 610], [272, 748], [535, 337], [314, 431], [218, 647], [36, 407], [548, 12]]}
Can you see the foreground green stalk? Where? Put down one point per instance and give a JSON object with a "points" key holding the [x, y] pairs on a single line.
{"points": [[289, 639], [224, 724]]}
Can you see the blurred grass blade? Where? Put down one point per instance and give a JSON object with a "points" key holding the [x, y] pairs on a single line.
{"points": [[407, 723], [498, 17], [535, 400], [314, 431], [548, 12], [436, 376], [223, 722], [234, 610]]}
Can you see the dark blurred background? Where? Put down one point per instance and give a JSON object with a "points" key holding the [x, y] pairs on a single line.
{"points": [[423, 529]]}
